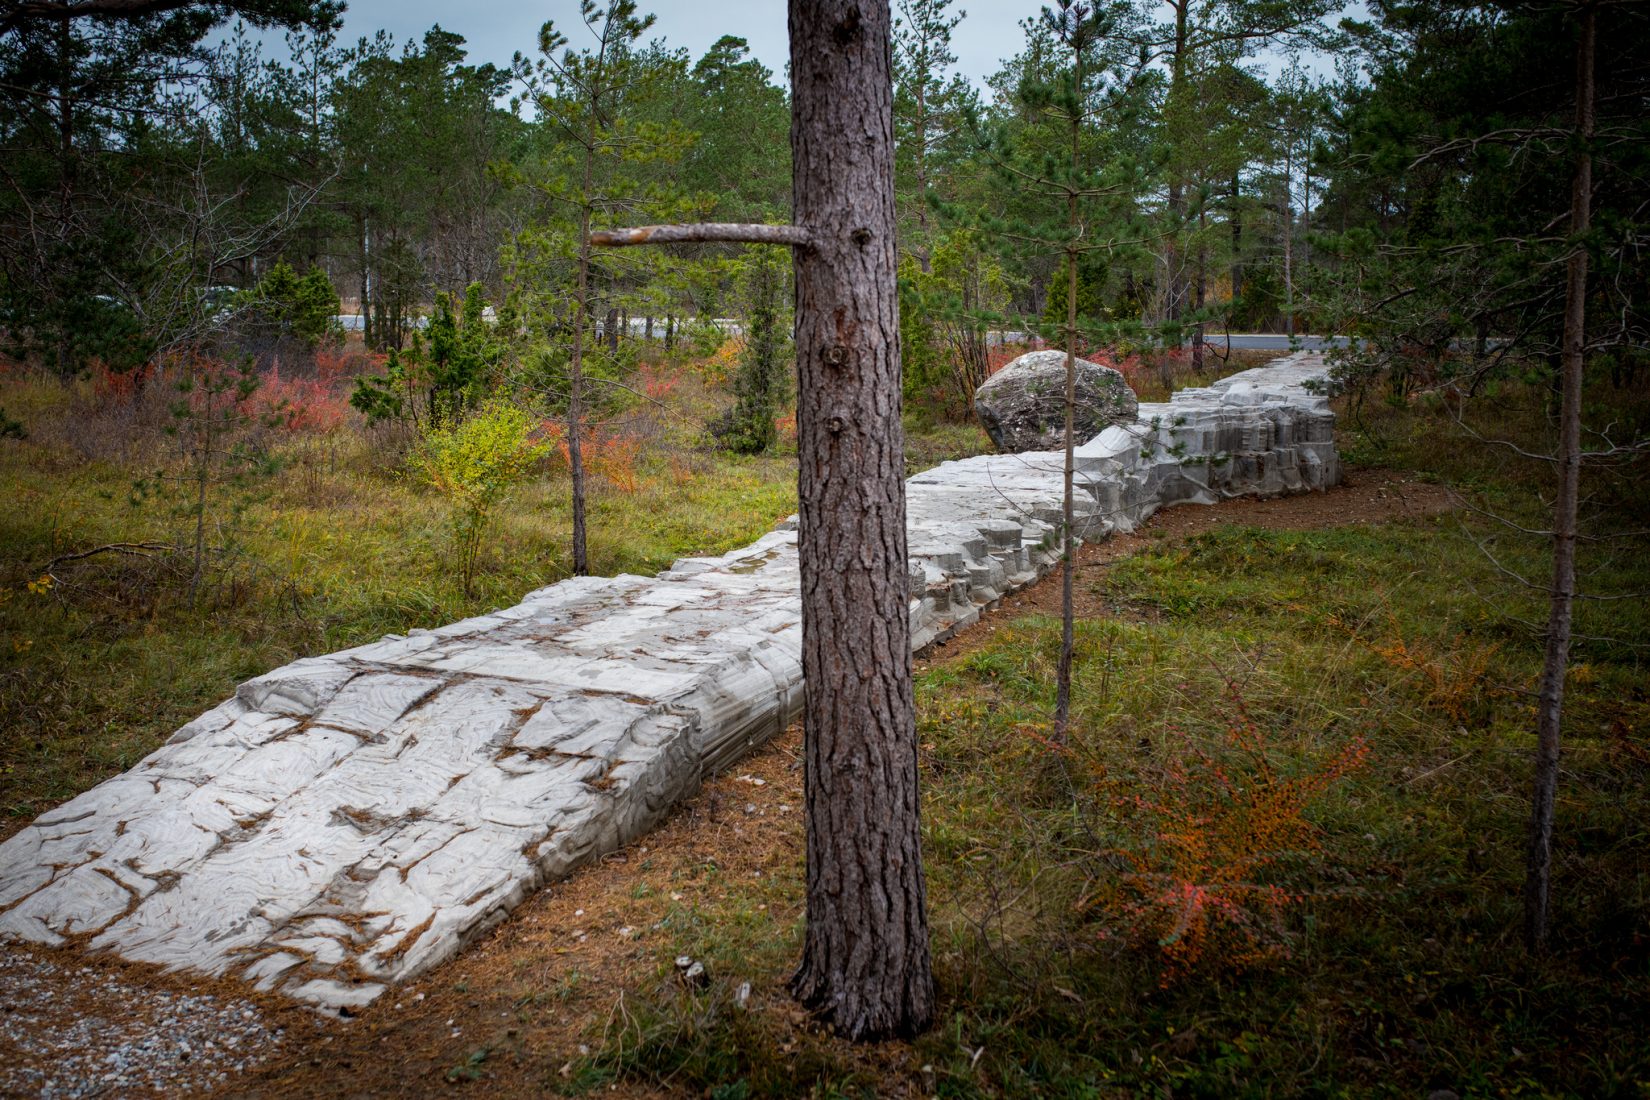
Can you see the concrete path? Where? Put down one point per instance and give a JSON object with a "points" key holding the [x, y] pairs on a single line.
{"points": [[351, 820]]}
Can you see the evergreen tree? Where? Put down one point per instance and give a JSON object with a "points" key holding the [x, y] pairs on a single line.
{"points": [[1490, 228], [420, 134], [587, 100], [760, 383], [1199, 37], [928, 109], [1095, 199], [106, 235]]}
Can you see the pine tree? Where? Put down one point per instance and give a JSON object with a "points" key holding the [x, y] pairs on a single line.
{"points": [[759, 384], [1097, 199], [927, 109], [583, 98]]}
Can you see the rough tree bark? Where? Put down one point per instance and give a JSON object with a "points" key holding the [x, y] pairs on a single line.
{"points": [[1550, 693], [865, 960]]}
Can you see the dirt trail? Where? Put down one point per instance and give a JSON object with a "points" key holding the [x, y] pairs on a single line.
{"points": [[1365, 496], [510, 1013]]}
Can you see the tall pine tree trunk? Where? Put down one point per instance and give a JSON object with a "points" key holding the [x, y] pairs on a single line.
{"points": [[66, 179], [865, 963], [1550, 693], [1174, 276], [1200, 292], [1288, 242], [924, 253], [369, 334]]}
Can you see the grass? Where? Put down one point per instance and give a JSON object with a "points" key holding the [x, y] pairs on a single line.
{"points": [[1401, 971]]}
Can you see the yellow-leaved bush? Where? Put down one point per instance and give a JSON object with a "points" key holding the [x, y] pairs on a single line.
{"points": [[474, 464]]}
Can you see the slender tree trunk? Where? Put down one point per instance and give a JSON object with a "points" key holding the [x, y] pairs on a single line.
{"points": [[1237, 241], [66, 178], [865, 960], [1550, 694], [203, 476], [1306, 225], [1288, 245], [1174, 280], [575, 382], [1200, 292], [1068, 546], [923, 251]]}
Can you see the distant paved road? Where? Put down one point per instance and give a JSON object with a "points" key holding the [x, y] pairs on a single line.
{"points": [[1265, 341], [1241, 341]]}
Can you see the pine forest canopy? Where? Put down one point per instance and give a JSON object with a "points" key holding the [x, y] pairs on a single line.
{"points": [[145, 163]]}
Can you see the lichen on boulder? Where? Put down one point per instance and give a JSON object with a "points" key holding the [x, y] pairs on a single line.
{"points": [[1023, 405]]}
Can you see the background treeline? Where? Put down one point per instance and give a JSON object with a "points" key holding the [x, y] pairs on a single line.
{"points": [[1219, 183], [145, 166]]}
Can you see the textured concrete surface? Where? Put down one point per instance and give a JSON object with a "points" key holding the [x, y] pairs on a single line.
{"points": [[351, 820]]}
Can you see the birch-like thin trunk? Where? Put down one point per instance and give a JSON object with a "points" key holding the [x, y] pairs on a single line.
{"points": [[1288, 241]]}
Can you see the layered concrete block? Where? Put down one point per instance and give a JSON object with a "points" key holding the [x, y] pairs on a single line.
{"points": [[349, 821]]}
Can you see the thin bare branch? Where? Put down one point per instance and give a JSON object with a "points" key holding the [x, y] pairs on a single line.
{"points": [[730, 232], [136, 549]]}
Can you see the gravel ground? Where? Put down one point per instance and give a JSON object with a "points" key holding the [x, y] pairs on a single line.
{"points": [[71, 1027]]}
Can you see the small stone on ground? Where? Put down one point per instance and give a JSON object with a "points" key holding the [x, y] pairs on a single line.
{"points": [[70, 1028]]}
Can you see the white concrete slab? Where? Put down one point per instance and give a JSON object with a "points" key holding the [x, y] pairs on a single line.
{"points": [[348, 821]]}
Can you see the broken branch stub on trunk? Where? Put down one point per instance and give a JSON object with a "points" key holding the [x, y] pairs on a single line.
{"points": [[727, 232]]}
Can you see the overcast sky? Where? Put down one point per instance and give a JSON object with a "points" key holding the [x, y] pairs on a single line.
{"points": [[496, 29]]}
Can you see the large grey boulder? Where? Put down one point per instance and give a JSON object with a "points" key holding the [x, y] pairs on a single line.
{"points": [[1023, 406]]}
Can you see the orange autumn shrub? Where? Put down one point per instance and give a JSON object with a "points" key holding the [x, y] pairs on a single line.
{"points": [[1455, 682], [607, 453], [1218, 828]]}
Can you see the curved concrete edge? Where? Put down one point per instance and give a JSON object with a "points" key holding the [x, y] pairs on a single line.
{"points": [[351, 820]]}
